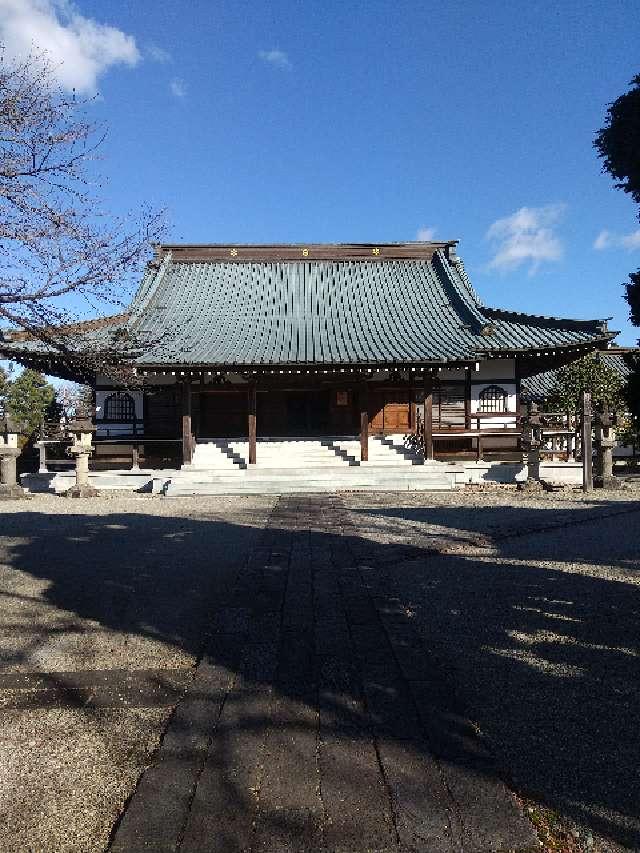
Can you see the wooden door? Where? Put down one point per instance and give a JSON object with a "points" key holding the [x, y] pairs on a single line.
{"points": [[389, 411]]}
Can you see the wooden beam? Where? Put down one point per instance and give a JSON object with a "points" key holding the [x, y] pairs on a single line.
{"points": [[428, 415], [187, 443], [251, 398], [364, 422]]}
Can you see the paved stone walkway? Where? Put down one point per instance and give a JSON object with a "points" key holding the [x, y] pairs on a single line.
{"points": [[317, 720]]}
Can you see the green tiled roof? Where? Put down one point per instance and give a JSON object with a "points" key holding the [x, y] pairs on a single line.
{"points": [[330, 311]]}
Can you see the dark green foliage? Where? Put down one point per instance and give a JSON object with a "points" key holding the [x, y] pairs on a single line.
{"points": [[632, 389], [30, 398], [632, 296], [4, 387], [587, 374], [618, 142]]}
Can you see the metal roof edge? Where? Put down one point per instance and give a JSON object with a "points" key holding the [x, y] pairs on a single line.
{"points": [[596, 326]]}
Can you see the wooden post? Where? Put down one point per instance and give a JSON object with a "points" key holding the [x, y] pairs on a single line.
{"points": [[428, 415], [252, 406], [412, 405], [364, 422], [187, 444], [467, 399], [587, 460]]}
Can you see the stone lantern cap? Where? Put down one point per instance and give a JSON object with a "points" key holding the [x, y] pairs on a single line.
{"points": [[81, 424]]}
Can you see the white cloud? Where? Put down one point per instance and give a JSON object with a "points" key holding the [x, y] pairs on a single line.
{"points": [[276, 57], [526, 237], [178, 88], [631, 241], [607, 240], [426, 234], [157, 53], [603, 240], [80, 49]]}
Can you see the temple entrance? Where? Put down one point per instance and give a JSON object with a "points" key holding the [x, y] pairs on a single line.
{"points": [[283, 412], [221, 414], [294, 412]]}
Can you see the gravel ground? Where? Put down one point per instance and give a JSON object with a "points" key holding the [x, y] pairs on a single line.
{"points": [[533, 608], [530, 603], [94, 591]]}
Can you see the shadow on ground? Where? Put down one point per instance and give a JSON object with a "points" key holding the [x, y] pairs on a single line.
{"points": [[339, 631]]}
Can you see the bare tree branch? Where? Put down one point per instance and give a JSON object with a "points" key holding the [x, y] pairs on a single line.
{"points": [[56, 243]]}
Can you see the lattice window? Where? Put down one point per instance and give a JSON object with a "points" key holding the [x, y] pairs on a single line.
{"points": [[493, 399], [119, 407]]}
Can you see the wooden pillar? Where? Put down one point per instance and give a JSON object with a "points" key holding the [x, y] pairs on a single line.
{"points": [[364, 422], [412, 405], [467, 398], [587, 459], [187, 444], [428, 415], [252, 406]]}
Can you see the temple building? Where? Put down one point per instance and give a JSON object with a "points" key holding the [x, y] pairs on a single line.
{"points": [[256, 342]]}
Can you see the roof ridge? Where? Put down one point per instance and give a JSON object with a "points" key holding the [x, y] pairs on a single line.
{"points": [[461, 294], [144, 296]]}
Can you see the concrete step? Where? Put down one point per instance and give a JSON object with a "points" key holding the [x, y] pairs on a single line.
{"points": [[283, 480], [287, 486]]}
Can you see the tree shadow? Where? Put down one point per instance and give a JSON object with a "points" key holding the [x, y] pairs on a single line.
{"points": [[331, 647]]}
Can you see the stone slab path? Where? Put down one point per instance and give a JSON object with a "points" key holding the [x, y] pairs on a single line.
{"points": [[317, 719]]}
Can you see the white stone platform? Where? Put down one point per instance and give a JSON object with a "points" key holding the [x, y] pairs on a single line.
{"points": [[307, 465]]}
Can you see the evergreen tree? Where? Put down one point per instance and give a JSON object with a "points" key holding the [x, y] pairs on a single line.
{"points": [[587, 374], [618, 144], [4, 387], [30, 398]]}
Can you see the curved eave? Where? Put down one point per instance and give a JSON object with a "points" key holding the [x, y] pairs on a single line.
{"points": [[514, 352]]}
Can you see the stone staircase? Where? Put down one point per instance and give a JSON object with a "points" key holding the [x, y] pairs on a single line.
{"points": [[297, 465], [233, 454]]}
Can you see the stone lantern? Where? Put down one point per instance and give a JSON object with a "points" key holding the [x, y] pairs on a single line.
{"points": [[9, 452], [531, 442], [81, 430], [604, 423]]}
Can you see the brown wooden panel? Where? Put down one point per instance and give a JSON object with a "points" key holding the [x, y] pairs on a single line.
{"points": [[389, 410]]}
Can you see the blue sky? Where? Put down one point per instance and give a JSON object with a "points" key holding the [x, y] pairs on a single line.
{"points": [[368, 121]]}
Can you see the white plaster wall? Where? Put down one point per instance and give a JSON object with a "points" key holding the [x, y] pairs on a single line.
{"points": [[496, 368], [499, 421], [115, 430]]}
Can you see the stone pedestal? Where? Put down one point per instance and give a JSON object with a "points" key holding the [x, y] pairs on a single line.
{"points": [[604, 477], [533, 464], [42, 450], [82, 488], [9, 487]]}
